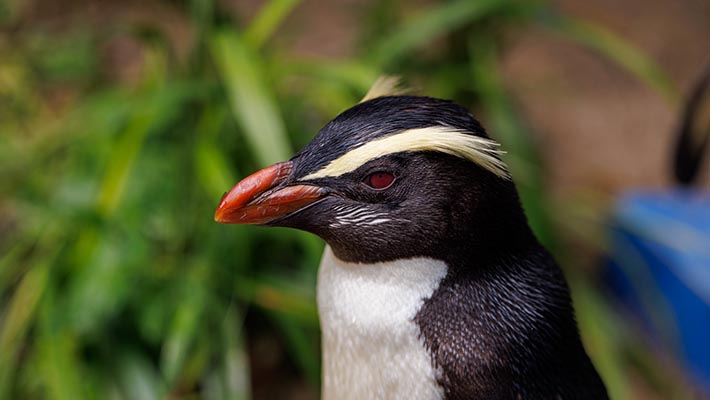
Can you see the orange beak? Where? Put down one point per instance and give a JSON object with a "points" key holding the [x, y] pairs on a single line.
{"points": [[258, 198]]}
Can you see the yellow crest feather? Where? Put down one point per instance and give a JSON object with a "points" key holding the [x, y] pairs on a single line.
{"points": [[385, 85], [444, 139]]}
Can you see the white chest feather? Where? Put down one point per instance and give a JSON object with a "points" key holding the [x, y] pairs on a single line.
{"points": [[371, 346]]}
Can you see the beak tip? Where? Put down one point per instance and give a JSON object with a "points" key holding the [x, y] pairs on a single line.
{"points": [[219, 215]]}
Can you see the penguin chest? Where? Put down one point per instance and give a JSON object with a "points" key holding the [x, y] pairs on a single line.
{"points": [[372, 348]]}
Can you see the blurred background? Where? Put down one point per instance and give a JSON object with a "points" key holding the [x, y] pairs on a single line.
{"points": [[123, 122]]}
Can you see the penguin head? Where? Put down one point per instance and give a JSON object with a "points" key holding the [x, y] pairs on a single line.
{"points": [[393, 177]]}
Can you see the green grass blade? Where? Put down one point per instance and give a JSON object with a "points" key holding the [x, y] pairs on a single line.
{"points": [[185, 325], [235, 360], [121, 163], [358, 75], [213, 170], [11, 266], [155, 106], [596, 319], [60, 369], [332, 86], [230, 380], [252, 103], [20, 316], [267, 21], [617, 49], [506, 127], [431, 24], [137, 378]]}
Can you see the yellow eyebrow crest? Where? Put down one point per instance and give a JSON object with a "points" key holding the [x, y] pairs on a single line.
{"points": [[385, 85], [481, 151]]}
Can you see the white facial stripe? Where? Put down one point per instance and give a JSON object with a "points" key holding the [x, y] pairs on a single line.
{"points": [[355, 213], [365, 218], [361, 216], [378, 221], [443, 139]]}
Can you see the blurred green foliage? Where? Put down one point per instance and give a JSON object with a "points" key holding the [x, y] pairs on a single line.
{"points": [[114, 280]]}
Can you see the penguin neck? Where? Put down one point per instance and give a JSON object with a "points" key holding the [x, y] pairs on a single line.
{"points": [[372, 347]]}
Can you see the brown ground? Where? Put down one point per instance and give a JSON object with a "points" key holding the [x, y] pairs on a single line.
{"points": [[600, 126]]}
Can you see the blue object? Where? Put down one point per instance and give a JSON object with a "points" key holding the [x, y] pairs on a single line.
{"points": [[660, 268]]}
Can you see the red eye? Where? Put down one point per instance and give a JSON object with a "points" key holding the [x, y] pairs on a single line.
{"points": [[379, 180]]}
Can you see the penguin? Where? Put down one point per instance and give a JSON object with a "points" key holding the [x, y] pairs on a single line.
{"points": [[432, 285]]}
